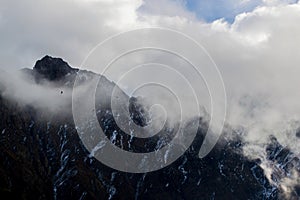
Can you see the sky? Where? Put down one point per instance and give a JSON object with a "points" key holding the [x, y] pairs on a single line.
{"points": [[212, 10], [255, 45], [70, 28], [227, 9]]}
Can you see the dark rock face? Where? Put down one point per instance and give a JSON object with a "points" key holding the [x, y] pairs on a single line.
{"points": [[285, 164], [137, 111], [53, 68], [42, 157], [298, 133]]}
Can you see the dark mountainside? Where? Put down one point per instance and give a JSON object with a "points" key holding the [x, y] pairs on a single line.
{"points": [[42, 157]]}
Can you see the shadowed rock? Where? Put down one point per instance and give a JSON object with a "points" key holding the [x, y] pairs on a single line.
{"points": [[53, 68]]}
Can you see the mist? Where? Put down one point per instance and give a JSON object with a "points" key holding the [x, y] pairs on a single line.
{"points": [[22, 89], [258, 57]]}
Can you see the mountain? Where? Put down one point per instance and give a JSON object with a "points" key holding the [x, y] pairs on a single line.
{"points": [[53, 68], [42, 156]]}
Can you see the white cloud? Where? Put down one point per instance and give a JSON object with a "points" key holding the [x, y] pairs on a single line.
{"points": [[259, 58], [259, 49], [30, 29], [258, 54], [166, 8]]}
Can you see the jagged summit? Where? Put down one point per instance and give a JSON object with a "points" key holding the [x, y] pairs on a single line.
{"points": [[53, 68]]}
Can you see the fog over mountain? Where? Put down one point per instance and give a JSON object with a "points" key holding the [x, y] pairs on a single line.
{"points": [[47, 148], [253, 44]]}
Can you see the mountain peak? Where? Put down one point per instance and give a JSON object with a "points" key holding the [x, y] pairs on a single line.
{"points": [[53, 68]]}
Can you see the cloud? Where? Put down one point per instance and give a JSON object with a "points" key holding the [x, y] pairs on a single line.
{"points": [[257, 54], [256, 47], [69, 29], [46, 96], [166, 8]]}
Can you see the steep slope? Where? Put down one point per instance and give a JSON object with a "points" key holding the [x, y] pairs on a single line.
{"points": [[42, 156]]}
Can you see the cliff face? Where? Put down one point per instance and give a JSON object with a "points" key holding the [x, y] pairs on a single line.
{"points": [[42, 157], [53, 69]]}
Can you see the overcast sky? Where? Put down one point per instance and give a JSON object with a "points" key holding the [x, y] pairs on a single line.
{"points": [[70, 28], [255, 44]]}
